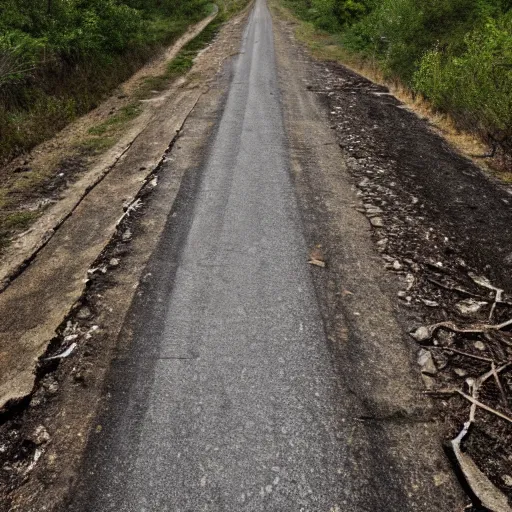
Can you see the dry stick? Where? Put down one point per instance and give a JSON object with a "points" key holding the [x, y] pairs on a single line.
{"points": [[503, 325], [470, 329], [485, 283], [485, 407], [480, 358], [497, 298], [474, 394], [498, 383], [480, 380], [453, 288]]}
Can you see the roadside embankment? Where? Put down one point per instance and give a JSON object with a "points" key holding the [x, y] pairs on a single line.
{"points": [[73, 296], [449, 61]]}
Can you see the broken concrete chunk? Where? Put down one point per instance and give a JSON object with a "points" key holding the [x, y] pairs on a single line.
{"points": [[377, 222], [372, 210], [409, 279], [84, 313], [507, 480], [428, 381], [426, 361], [397, 265], [39, 436], [422, 334]]}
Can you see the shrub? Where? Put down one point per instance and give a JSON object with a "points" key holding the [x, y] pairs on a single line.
{"points": [[475, 86]]}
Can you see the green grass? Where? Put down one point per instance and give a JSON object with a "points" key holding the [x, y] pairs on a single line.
{"points": [[125, 115], [184, 61], [96, 145], [15, 222]]}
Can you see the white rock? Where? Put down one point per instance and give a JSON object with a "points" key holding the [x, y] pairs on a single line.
{"points": [[40, 435], [426, 361], [479, 345], [377, 222], [507, 480], [421, 334], [468, 307]]}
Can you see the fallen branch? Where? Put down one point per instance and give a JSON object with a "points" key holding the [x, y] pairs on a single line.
{"points": [[485, 407], [425, 333], [466, 354]]}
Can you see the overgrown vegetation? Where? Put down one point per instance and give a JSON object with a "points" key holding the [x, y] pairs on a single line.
{"points": [[456, 53], [58, 58]]}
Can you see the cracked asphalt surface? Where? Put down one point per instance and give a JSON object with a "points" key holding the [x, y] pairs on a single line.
{"points": [[229, 397]]}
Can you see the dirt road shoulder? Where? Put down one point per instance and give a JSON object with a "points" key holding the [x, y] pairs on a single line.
{"points": [[373, 354]]}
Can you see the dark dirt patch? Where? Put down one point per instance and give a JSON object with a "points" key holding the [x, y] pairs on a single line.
{"points": [[437, 218]]}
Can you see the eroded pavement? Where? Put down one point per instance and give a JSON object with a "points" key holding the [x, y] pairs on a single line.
{"points": [[243, 377]]}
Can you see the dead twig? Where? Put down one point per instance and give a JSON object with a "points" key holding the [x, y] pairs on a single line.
{"points": [[484, 407], [485, 283], [466, 354], [453, 288], [425, 333], [495, 374]]}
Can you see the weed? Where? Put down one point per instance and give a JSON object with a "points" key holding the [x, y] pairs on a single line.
{"points": [[15, 222], [125, 115]]}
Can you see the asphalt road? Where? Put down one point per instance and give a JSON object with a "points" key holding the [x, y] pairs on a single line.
{"points": [[229, 398]]}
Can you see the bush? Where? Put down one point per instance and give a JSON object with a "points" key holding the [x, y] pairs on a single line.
{"points": [[475, 86], [457, 53], [19, 55], [59, 57]]}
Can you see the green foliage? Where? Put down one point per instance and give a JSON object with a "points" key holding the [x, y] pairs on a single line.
{"points": [[331, 15], [457, 53], [475, 85], [59, 57]]}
